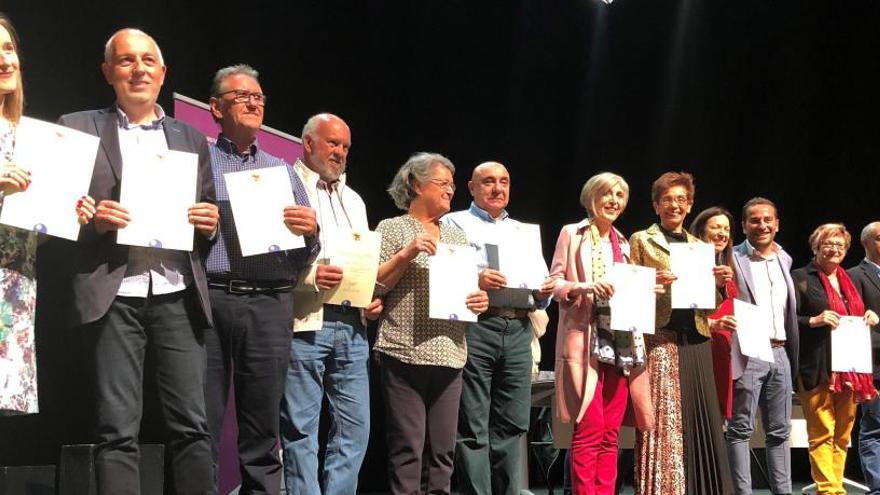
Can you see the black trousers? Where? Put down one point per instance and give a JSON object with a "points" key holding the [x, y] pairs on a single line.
{"points": [[120, 340], [250, 343], [421, 414]]}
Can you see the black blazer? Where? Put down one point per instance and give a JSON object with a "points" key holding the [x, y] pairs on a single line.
{"points": [[867, 282], [99, 262]]}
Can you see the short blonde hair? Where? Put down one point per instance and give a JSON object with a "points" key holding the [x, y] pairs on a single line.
{"points": [[827, 230], [598, 185]]}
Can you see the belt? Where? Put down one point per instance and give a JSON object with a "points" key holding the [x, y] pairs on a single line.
{"points": [[777, 343], [512, 313], [250, 287]]}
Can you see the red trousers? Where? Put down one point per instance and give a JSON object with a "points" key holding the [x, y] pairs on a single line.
{"points": [[594, 444]]}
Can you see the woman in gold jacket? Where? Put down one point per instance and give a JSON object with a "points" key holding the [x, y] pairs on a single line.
{"points": [[685, 453]]}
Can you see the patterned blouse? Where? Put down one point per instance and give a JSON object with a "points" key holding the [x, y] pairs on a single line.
{"points": [[405, 331], [18, 298]]}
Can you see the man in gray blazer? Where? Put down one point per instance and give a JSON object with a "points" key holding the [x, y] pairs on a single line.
{"points": [[866, 278], [762, 271], [133, 300]]}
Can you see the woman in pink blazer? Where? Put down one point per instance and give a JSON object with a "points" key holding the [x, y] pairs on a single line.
{"points": [[597, 369]]}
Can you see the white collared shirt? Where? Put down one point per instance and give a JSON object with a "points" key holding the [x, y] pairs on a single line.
{"points": [[167, 271], [771, 290], [339, 210]]}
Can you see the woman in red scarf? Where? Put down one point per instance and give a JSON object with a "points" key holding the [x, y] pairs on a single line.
{"points": [[829, 398]]}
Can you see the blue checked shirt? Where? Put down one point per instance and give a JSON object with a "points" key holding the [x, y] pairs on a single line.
{"points": [[225, 260]]}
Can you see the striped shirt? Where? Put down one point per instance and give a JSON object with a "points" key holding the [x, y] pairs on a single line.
{"points": [[225, 260]]}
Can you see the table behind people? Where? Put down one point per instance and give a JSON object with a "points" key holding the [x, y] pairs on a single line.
{"points": [[130, 299]]}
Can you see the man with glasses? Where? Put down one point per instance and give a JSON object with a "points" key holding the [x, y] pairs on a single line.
{"points": [[762, 275], [329, 349], [496, 379], [251, 297]]}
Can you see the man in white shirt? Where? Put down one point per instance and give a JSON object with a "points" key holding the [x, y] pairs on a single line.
{"points": [[762, 275], [135, 300], [329, 351]]}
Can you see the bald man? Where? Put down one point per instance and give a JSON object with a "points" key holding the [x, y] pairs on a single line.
{"points": [[133, 301], [329, 349], [496, 380], [866, 278]]}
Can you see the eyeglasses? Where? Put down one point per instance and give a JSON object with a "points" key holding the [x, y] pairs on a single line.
{"points": [[833, 245], [242, 96], [444, 184], [670, 200]]}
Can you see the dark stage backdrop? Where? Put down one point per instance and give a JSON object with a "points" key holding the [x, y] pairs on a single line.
{"points": [[755, 97]]}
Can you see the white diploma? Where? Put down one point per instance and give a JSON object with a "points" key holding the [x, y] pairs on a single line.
{"points": [[692, 263], [157, 190], [851, 346], [521, 256], [258, 198], [60, 161], [452, 276], [753, 325], [358, 256], [633, 305]]}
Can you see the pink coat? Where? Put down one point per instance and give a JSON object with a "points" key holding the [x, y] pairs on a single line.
{"points": [[576, 368]]}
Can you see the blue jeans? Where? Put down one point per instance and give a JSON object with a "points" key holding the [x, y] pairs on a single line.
{"points": [[767, 387], [869, 445], [332, 362]]}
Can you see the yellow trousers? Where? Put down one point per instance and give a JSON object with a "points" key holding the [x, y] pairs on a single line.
{"points": [[830, 417]]}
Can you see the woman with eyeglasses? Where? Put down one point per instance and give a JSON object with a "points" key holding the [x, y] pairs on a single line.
{"points": [[829, 398], [685, 453], [713, 225], [420, 358], [18, 285]]}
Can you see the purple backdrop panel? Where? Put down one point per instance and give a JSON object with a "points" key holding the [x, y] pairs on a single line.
{"points": [[196, 114]]}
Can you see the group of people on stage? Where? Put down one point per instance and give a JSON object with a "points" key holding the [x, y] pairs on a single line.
{"points": [[456, 394]]}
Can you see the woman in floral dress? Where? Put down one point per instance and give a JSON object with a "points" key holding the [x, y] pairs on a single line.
{"points": [[18, 248]]}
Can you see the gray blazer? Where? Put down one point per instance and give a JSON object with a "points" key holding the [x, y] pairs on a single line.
{"points": [[746, 287], [99, 262]]}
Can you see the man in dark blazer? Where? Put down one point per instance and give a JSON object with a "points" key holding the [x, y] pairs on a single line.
{"points": [[762, 272], [136, 300], [866, 277]]}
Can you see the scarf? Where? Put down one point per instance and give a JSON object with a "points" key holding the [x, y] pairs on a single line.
{"points": [[625, 350], [862, 384]]}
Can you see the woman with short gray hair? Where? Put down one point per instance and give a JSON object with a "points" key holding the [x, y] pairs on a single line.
{"points": [[417, 169], [421, 358]]}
